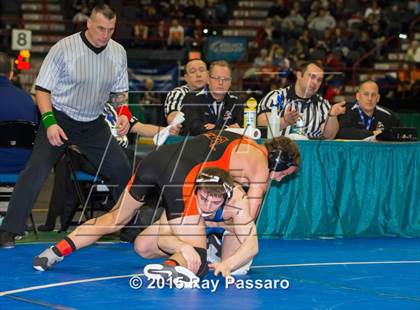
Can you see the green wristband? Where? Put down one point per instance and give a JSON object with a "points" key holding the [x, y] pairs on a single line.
{"points": [[48, 119]]}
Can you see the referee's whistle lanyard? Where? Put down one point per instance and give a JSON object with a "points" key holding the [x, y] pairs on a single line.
{"points": [[363, 119]]}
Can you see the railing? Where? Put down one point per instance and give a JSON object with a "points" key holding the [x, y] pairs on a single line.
{"points": [[356, 65], [411, 27]]}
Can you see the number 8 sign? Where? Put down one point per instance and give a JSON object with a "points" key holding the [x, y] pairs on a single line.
{"points": [[21, 39]]}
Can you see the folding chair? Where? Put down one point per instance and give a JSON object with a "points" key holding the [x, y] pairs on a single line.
{"points": [[97, 191], [15, 135]]}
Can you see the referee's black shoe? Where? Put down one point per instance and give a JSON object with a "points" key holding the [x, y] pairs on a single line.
{"points": [[7, 239]]}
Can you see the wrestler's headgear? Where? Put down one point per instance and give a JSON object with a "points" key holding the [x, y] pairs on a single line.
{"points": [[206, 178], [279, 160]]}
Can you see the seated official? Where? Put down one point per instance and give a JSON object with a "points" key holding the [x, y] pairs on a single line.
{"points": [[364, 118], [15, 105], [213, 107], [301, 102]]}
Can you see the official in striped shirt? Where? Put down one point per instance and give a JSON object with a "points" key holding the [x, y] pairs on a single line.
{"points": [[196, 76], [75, 80], [301, 101]]}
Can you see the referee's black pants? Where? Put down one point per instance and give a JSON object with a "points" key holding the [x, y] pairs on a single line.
{"points": [[95, 141]]}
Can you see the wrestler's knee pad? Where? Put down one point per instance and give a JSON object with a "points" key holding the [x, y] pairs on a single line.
{"points": [[202, 271]]}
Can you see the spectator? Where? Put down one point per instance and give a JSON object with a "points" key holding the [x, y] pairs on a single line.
{"points": [[364, 117], [213, 107], [374, 10], [221, 11], [194, 35], [210, 14], [293, 24], [159, 35], [176, 35], [279, 9], [15, 105], [265, 34], [191, 12], [176, 10], [298, 52], [363, 45], [150, 14], [413, 52], [82, 15], [338, 10], [307, 40], [414, 7], [301, 101], [261, 60], [141, 33], [323, 21], [150, 96], [334, 91], [332, 61], [392, 18], [278, 58]]}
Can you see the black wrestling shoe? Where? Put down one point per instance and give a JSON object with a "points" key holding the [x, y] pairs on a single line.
{"points": [[7, 239], [46, 260], [179, 276]]}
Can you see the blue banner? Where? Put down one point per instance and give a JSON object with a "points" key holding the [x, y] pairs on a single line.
{"points": [[226, 48], [165, 77]]}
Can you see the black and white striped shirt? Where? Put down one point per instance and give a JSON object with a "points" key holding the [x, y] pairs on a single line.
{"points": [[174, 99], [81, 77], [314, 110]]}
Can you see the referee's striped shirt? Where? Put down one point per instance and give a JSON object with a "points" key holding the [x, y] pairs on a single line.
{"points": [[80, 77], [174, 99], [314, 110]]}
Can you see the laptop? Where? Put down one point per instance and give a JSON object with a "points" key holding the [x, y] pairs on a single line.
{"points": [[405, 134]]}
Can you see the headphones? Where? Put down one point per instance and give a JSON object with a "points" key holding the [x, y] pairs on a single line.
{"points": [[279, 161], [214, 179]]}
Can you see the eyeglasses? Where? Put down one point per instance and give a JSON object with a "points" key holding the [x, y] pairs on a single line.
{"points": [[221, 79]]}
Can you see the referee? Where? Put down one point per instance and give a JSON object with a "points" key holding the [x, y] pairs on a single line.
{"points": [[196, 76], [76, 78], [301, 101]]}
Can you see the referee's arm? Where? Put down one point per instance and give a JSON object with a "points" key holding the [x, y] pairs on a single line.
{"points": [[55, 133]]}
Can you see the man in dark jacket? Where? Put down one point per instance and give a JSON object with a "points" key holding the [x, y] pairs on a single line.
{"points": [[213, 107], [364, 118]]}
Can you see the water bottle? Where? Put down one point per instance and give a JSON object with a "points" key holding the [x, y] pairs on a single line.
{"points": [[299, 126], [250, 113], [273, 129]]}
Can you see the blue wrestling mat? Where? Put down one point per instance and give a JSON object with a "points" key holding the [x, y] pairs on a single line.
{"points": [[376, 273]]}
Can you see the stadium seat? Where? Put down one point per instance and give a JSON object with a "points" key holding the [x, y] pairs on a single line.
{"points": [[15, 135]]}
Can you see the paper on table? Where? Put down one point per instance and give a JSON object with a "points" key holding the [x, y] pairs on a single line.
{"points": [[370, 138], [296, 136], [161, 136], [251, 132]]}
